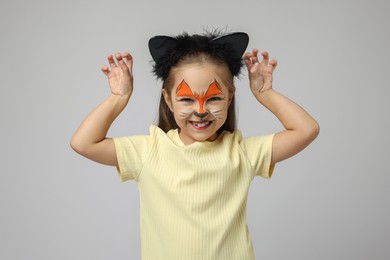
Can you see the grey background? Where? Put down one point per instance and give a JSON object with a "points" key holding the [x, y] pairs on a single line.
{"points": [[329, 202]]}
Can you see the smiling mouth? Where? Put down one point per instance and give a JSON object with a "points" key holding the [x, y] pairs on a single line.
{"points": [[201, 125]]}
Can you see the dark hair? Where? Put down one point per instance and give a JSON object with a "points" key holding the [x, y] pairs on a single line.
{"points": [[170, 53]]}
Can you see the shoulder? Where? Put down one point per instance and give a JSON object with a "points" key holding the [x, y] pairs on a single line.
{"points": [[235, 136], [248, 144], [137, 141]]}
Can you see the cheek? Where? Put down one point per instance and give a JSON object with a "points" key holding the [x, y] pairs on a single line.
{"points": [[183, 111], [223, 104], [219, 110]]}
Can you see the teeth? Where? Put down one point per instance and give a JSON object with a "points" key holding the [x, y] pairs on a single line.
{"points": [[201, 124]]}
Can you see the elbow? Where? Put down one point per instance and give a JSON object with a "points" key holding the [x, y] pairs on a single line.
{"points": [[308, 132], [313, 131], [316, 129], [76, 145]]}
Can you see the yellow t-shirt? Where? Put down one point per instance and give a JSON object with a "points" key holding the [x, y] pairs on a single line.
{"points": [[193, 198]]}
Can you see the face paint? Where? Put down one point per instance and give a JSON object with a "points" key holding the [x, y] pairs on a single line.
{"points": [[218, 114], [199, 108], [183, 90]]}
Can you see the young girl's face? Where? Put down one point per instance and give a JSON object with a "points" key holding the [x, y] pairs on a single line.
{"points": [[199, 100]]}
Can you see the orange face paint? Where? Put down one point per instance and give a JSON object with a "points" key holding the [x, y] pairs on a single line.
{"points": [[183, 90]]}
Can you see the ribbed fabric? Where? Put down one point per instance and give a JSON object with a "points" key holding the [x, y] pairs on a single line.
{"points": [[193, 198]]}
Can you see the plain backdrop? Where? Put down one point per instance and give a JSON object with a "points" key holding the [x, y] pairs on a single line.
{"points": [[329, 202]]}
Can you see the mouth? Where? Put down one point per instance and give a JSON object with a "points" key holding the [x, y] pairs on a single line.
{"points": [[201, 125]]}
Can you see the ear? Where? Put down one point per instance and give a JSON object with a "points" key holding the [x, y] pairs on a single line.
{"points": [[160, 45], [238, 41], [167, 99]]}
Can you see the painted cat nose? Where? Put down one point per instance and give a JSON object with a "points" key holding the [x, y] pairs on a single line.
{"points": [[201, 115]]}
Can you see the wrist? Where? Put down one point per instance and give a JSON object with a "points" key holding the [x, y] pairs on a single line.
{"points": [[118, 102], [259, 87], [120, 97], [262, 94]]}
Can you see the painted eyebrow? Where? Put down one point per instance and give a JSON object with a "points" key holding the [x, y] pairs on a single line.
{"points": [[185, 90]]}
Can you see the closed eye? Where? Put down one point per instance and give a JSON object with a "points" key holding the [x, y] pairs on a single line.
{"points": [[215, 99], [186, 100]]}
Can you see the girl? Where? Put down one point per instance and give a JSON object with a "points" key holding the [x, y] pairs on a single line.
{"points": [[194, 169]]}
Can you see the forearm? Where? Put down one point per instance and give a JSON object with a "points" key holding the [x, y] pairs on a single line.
{"points": [[301, 128], [95, 126], [290, 114]]}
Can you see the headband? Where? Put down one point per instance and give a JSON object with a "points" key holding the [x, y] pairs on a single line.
{"points": [[167, 51]]}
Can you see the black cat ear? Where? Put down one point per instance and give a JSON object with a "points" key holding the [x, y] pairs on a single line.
{"points": [[238, 41], [159, 46]]}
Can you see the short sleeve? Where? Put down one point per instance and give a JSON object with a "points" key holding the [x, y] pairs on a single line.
{"points": [[259, 153], [131, 154]]}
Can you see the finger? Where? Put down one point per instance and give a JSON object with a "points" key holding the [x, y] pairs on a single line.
{"points": [[273, 64], [118, 57], [111, 61], [265, 58], [128, 60], [105, 70], [121, 63], [248, 63], [255, 59], [248, 56]]}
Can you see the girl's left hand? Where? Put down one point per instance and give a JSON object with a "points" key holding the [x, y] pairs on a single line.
{"points": [[260, 73]]}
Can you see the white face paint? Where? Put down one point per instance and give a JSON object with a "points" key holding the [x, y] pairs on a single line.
{"points": [[185, 113], [218, 114]]}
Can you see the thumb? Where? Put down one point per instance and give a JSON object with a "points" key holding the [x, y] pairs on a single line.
{"points": [[105, 70]]}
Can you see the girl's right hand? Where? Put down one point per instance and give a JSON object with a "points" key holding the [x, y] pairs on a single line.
{"points": [[120, 77]]}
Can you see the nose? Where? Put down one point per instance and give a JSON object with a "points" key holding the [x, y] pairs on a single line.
{"points": [[201, 115]]}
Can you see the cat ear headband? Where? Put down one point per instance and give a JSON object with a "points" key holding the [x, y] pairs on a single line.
{"points": [[167, 51]]}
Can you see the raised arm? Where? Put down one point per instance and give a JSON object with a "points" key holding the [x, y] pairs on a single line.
{"points": [[90, 138], [300, 128]]}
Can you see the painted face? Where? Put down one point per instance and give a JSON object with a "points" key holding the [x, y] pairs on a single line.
{"points": [[213, 93], [199, 102]]}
